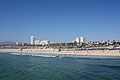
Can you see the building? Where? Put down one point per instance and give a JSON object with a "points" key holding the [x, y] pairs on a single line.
{"points": [[37, 42], [45, 42], [18, 43], [25, 44], [77, 40], [82, 40], [33, 38]]}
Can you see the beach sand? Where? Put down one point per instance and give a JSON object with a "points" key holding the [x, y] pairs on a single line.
{"points": [[55, 51]]}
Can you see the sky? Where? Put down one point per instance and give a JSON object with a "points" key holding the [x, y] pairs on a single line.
{"points": [[59, 20]]}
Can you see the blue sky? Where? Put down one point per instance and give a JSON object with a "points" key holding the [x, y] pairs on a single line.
{"points": [[59, 20]]}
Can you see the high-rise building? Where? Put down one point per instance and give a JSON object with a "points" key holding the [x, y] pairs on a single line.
{"points": [[33, 38], [82, 40], [77, 40]]}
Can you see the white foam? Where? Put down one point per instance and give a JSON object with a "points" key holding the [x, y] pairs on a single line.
{"points": [[15, 53], [43, 55]]}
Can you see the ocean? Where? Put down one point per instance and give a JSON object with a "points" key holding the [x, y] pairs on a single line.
{"points": [[14, 66]]}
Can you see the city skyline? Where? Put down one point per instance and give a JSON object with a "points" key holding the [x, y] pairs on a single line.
{"points": [[59, 21]]}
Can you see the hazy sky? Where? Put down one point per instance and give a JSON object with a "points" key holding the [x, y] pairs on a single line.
{"points": [[59, 20]]}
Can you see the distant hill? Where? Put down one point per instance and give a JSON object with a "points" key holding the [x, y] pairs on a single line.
{"points": [[7, 43]]}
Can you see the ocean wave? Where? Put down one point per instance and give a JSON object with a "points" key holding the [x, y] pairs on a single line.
{"points": [[16, 53], [41, 55]]}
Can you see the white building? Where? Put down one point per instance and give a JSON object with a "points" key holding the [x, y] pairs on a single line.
{"points": [[45, 42], [52, 42], [77, 40], [33, 38], [82, 40], [37, 42], [18, 43]]}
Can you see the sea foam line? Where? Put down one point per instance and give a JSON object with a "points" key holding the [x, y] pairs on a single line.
{"points": [[41, 55]]}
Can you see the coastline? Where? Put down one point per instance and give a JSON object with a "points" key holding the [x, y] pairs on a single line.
{"points": [[110, 53]]}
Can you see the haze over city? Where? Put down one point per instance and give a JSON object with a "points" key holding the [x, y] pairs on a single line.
{"points": [[59, 20]]}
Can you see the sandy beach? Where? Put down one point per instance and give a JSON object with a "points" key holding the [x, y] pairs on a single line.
{"points": [[55, 51]]}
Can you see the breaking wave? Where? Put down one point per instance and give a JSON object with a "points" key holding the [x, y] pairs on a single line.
{"points": [[41, 55]]}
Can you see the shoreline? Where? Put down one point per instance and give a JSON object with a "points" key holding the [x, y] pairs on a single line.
{"points": [[109, 53], [60, 55]]}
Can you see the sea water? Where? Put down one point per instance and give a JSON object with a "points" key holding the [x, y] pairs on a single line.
{"points": [[18, 66]]}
